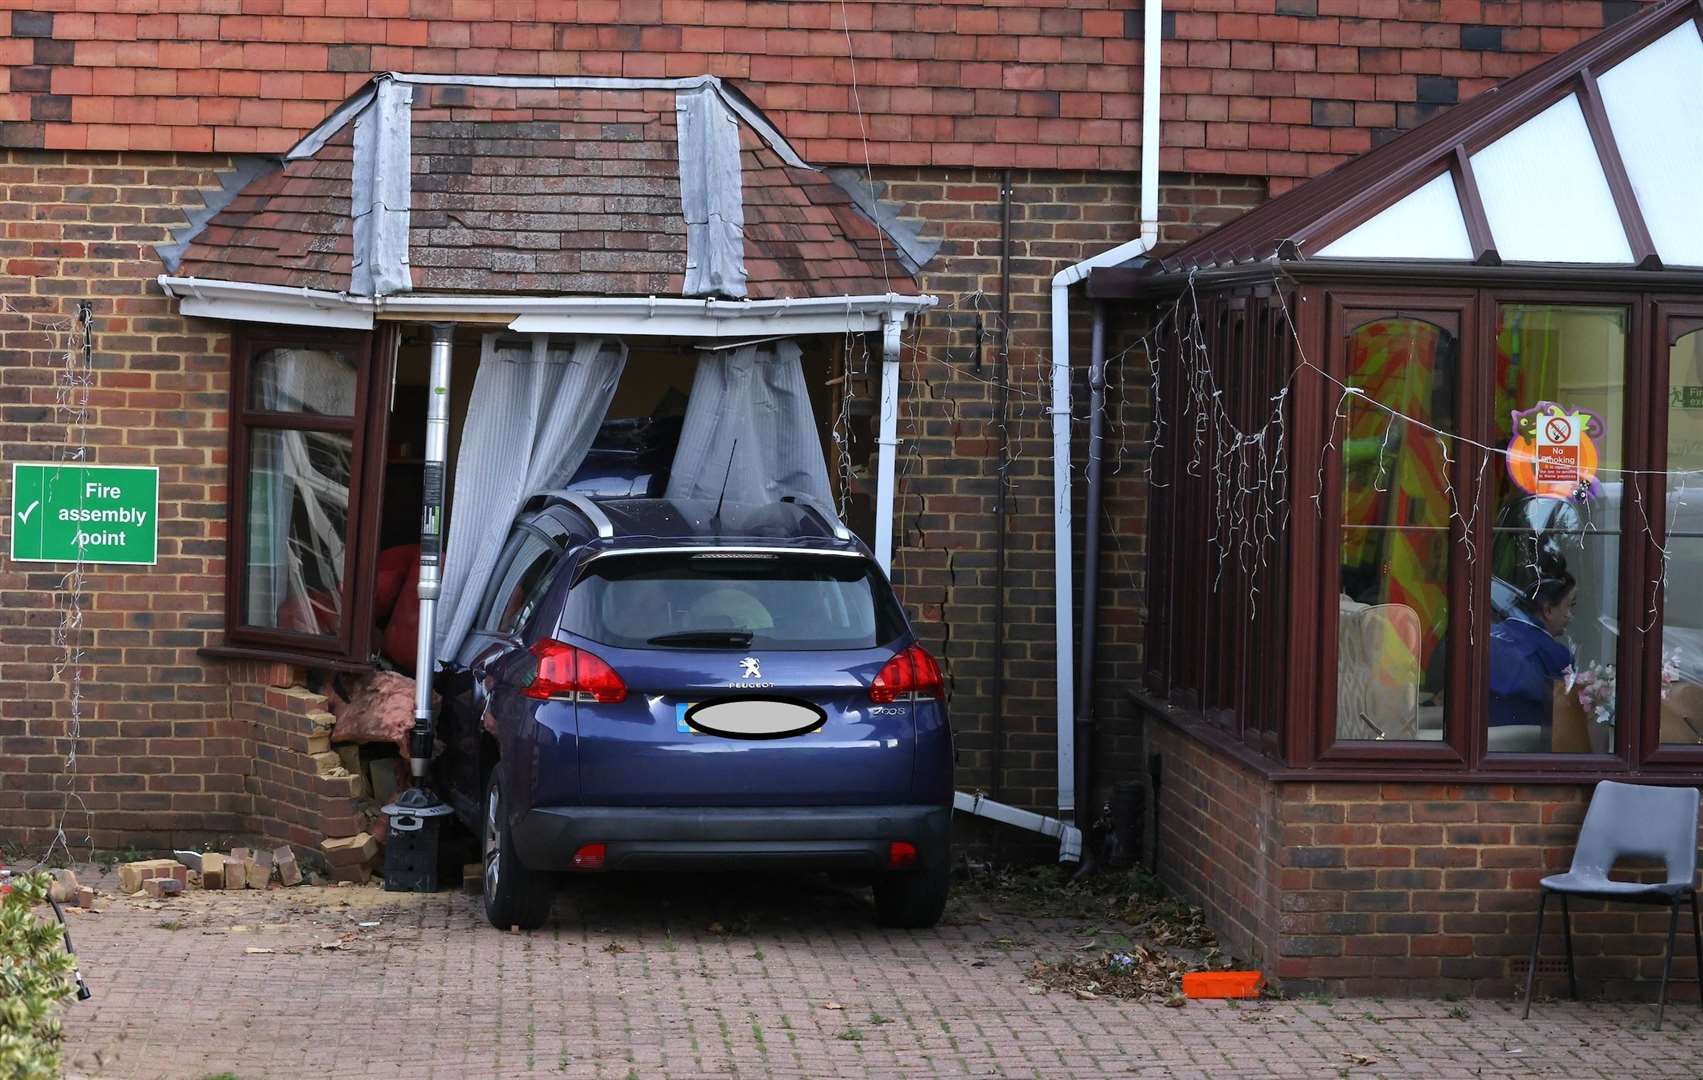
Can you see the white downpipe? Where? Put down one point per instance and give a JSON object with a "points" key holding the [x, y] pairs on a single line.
{"points": [[887, 444], [1069, 837], [1062, 281], [431, 545]]}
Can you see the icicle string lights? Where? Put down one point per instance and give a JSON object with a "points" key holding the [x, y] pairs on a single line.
{"points": [[72, 388]]}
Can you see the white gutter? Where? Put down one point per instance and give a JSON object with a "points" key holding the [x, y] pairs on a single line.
{"points": [[241, 301], [660, 316], [1062, 281]]}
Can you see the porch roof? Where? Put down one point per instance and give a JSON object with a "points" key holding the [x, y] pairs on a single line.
{"points": [[538, 186]]}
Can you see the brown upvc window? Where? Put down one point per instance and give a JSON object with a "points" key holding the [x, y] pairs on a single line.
{"points": [[1436, 604], [1672, 731], [1392, 652], [307, 430]]}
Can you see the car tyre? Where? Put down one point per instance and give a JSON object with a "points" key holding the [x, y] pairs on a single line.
{"points": [[514, 895], [915, 899]]}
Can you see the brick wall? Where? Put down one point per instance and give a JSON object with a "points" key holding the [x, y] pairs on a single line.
{"points": [[300, 793], [1394, 888], [1260, 88], [160, 758], [172, 743], [946, 519], [1434, 886], [1216, 843]]}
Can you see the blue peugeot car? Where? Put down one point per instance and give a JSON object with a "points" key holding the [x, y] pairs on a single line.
{"points": [[658, 684]]}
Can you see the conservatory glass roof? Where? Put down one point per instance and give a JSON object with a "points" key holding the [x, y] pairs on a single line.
{"points": [[1591, 159]]}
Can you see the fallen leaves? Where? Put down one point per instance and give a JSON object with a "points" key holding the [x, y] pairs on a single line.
{"points": [[1141, 973]]}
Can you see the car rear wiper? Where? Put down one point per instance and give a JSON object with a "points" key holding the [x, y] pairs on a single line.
{"points": [[738, 639]]}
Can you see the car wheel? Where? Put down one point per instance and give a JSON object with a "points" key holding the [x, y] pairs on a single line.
{"points": [[514, 895], [915, 899]]}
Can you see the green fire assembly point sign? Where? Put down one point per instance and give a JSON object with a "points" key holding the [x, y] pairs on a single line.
{"points": [[104, 513]]}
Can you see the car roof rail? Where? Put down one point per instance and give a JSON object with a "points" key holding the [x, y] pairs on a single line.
{"points": [[831, 520], [592, 512]]}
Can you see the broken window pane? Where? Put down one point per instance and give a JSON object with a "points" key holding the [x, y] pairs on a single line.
{"points": [[298, 523]]}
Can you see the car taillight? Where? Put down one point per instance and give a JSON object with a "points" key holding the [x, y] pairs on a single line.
{"points": [[910, 672], [590, 857], [563, 669], [901, 855]]}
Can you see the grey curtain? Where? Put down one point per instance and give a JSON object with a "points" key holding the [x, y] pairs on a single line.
{"points": [[749, 425], [533, 416]]}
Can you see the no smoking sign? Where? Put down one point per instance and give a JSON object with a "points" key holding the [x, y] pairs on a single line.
{"points": [[1558, 450]]}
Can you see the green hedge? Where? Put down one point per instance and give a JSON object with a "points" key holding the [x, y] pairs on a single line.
{"points": [[35, 977]]}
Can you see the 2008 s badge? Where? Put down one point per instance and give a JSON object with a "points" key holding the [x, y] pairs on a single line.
{"points": [[755, 717]]}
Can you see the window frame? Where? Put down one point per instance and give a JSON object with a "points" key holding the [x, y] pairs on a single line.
{"points": [[1670, 319], [1634, 450], [1346, 313], [1636, 751], [373, 356]]}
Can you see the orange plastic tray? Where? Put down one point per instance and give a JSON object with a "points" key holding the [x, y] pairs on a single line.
{"points": [[1221, 984]]}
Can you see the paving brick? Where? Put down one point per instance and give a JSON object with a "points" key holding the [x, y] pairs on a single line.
{"points": [[662, 996]]}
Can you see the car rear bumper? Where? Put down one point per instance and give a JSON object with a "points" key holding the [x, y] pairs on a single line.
{"points": [[726, 838]]}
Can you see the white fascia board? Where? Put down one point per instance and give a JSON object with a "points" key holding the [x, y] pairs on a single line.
{"points": [[714, 319], [242, 301], [705, 327], [634, 316]]}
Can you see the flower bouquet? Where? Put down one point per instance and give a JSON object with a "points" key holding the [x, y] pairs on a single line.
{"points": [[1593, 688]]}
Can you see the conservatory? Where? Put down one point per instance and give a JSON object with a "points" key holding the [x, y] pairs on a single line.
{"points": [[1426, 518]]}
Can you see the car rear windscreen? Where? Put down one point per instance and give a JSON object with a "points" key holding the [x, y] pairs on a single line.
{"points": [[731, 600]]}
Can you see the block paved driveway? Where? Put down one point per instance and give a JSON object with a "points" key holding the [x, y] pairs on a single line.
{"points": [[701, 976]]}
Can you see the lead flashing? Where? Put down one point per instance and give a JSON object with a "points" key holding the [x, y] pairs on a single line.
{"points": [[382, 186], [242, 171], [914, 251], [313, 141], [711, 194]]}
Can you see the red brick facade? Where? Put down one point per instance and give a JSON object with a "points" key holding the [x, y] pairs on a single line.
{"points": [[1343, 887], [176, 746], [949, 475], [1263, 88], [1395, 888], [160, 755]]}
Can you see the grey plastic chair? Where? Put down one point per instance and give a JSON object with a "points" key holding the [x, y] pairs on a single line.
{"points": [[1630, 821]]}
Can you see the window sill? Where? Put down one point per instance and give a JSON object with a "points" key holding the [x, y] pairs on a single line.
{"points": [[1194, 726], [282, 656]]}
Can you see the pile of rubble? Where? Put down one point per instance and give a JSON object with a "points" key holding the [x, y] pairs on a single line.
{"points": [[348, 859]]}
